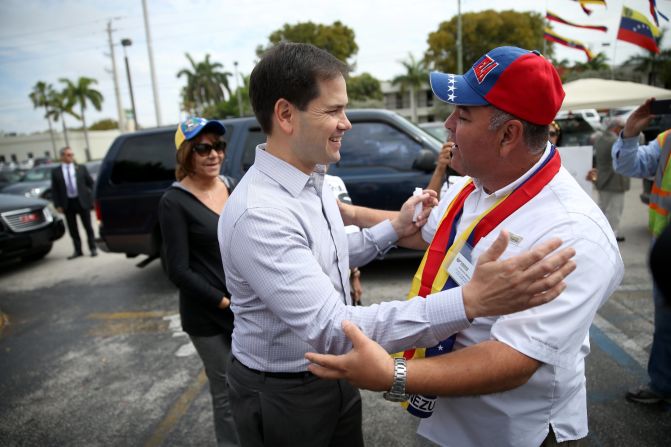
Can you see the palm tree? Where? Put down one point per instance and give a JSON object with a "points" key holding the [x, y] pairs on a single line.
{"points": [[597, 63], [414, 77], [650, 62], [206, 84], [61, 105], [40, 98], [81, 93]]}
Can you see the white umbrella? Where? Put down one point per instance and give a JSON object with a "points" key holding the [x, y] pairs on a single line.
{"points": [[594, 93]]}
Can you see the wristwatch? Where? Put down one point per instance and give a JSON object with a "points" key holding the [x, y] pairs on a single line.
{"points": [[397, 391]]}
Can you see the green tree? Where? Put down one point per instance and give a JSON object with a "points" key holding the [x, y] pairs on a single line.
{"points": [[363, 87], [206, 84], [482, 31], [61, 105], [416, 75], [104, 124], [229, 108], [599, 63], [338, 39], [40, 98], [82, 93]]}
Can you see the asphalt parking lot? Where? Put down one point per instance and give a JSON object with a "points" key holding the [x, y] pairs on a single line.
{"points": [[92, 354]]}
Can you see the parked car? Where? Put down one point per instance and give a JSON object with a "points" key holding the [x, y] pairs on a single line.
{"points": [[383, 158], [93, 167], [575, 131], [36, 183], [8, 177], [589, 115], [436, 129], [27, 228]]}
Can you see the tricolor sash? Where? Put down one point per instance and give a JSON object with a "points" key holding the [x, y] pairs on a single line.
{"points": [[432, 275]]}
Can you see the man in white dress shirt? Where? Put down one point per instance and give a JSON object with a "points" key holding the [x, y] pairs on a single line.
{"points": [[519, 379]]}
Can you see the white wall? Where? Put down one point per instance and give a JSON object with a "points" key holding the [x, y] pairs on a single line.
{"points": [[38, 144]]}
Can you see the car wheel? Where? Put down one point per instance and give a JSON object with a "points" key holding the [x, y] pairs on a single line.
{"points": [[37, 255]]}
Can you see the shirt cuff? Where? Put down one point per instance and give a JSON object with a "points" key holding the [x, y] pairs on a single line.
{"points": [[383, 236], [446, 313]]}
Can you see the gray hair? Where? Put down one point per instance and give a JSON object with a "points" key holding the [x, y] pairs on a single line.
{"points": [[535, 135], [62, 150], [612, 123]]}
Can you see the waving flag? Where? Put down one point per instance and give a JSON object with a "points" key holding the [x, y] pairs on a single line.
{"points": [[636, 29], [588, 2], [654, 10], [555, 18], [556, 38]]}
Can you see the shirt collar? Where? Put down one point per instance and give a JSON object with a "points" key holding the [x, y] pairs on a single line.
{"points": [[511, 186], [288, 176]]}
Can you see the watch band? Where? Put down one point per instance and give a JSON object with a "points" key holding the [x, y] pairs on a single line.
{"points": [[397, 391]]}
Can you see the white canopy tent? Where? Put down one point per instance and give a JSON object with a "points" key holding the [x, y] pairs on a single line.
{"points": [[594, 93]]}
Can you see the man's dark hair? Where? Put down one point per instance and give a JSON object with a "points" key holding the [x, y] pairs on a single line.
{"points": [[290, 71]]}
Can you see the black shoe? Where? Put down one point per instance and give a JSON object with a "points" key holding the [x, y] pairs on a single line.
{"points": [[75, 255], [94, 254], [620, 238], [644, 395]]}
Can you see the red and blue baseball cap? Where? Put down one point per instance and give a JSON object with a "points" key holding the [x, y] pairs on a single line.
{"points": [[517, 81], [193, 126]]}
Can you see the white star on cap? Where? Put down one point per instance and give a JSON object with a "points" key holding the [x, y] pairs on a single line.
{"points": [[451, 97], [452, 88], [440, 347]]}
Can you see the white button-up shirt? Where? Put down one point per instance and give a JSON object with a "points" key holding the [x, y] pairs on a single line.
{"points": [[556, 334], [70, 178], [286, 257]]}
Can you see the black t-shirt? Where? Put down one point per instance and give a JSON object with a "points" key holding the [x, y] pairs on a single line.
{"points": [[189, 230], [660, 259]]}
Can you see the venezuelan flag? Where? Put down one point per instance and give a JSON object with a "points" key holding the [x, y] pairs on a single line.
{"points": [[556, 38], [555, 18], [636, 29]]}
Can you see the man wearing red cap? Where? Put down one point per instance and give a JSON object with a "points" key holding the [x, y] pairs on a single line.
{"points": [[514, 380]]}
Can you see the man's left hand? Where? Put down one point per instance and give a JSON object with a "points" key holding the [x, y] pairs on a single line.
{"points": [[366, 366], [403, 223]]}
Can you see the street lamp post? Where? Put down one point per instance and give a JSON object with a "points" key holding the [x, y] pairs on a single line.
{"points": [[126, 43], [237, 88]]}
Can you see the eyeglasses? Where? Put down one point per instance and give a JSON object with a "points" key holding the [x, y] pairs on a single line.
{"points": [[553, 133], [204, 149]]}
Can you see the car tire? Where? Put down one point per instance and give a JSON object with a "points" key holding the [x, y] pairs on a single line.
{"points": [[35, 256]]}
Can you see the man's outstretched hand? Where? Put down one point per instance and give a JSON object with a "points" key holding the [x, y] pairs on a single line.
{"points": [[366, 366], [500, 287]]}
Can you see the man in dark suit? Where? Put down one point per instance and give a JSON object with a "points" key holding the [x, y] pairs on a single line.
{"points": [[71, 186]]}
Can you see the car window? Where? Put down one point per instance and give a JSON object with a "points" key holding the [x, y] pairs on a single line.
{"points": [[255, 136], [145, 158], [378, 144], [36, 175]]}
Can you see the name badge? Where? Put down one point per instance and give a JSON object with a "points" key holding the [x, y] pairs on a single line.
{"points": [[461, 269]]}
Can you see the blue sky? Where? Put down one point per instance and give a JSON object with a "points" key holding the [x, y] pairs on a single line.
{"points": [[52, 39]]}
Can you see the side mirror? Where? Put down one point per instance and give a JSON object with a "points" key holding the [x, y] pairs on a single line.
{"points": [[425, 161]]}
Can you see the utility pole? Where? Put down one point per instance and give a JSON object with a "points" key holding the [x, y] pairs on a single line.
{"points": [[460, 57], [152, 70], [126, 43], [117, 94], [237, 88]]}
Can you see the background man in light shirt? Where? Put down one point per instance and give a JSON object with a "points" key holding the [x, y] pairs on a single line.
{"points": [[513, 380], [286, 257]]}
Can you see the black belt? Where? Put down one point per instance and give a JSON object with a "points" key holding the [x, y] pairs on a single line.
{"points": [[275, 375]]}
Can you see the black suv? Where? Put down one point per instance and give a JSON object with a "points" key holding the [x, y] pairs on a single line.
{"points": [[383, 158]]}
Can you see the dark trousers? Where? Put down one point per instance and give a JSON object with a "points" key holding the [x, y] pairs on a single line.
{"points": [[293, 412], [73, 210]]}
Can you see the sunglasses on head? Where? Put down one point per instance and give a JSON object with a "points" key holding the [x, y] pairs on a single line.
{"points": [[204, 149]]}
